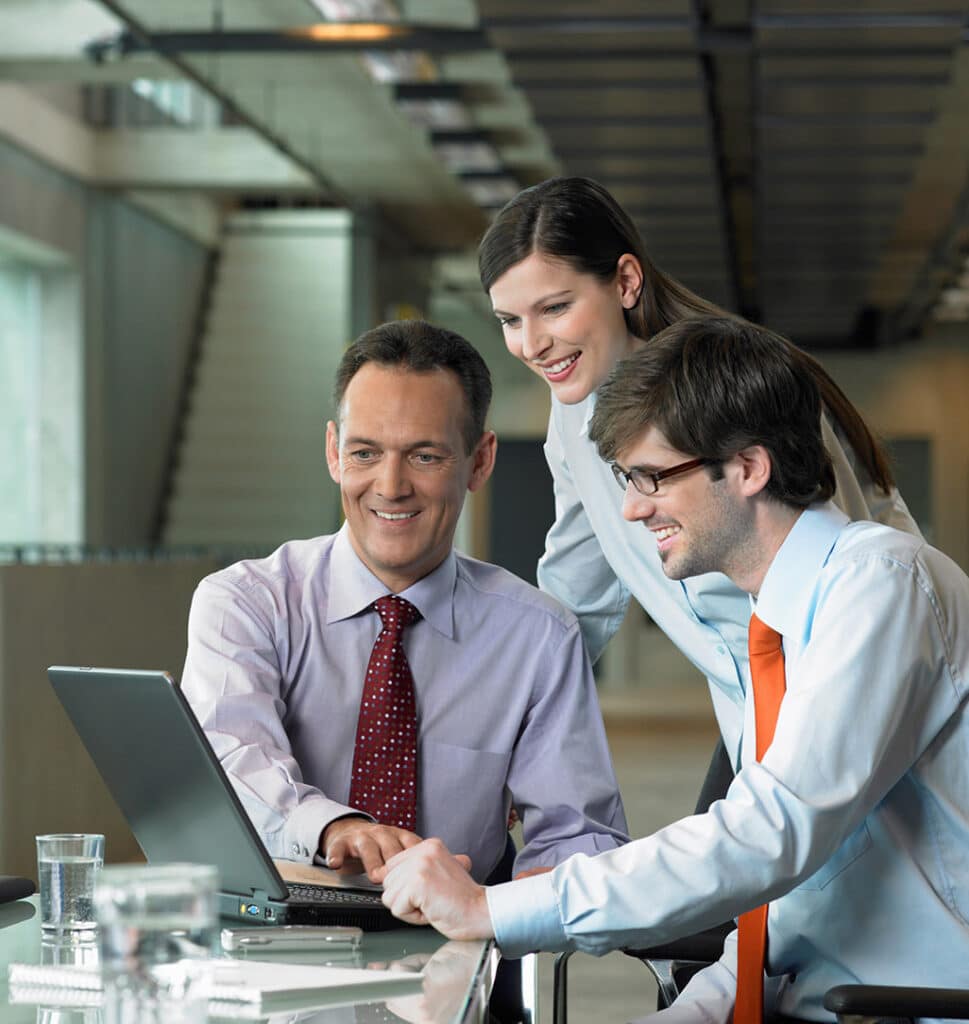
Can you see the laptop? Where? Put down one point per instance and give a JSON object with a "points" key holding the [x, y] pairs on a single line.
{"points": [[161, 770]]}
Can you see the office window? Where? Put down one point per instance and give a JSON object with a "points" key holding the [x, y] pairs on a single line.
{"points": [[40, 404]]}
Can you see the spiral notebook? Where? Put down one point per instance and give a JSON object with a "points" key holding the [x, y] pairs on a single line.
{"points": [[262, 986]]}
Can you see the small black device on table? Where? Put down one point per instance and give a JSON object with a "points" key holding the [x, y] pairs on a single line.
{"points": [[14, 888]]}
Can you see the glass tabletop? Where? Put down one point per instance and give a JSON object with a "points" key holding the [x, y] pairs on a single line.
{"points": [[456, 978]]}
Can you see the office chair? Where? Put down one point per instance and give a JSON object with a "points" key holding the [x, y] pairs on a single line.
{"points": [[673, 963], [896, 1002]]}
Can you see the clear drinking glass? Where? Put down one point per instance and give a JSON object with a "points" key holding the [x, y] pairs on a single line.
{"points": [[157, 923], [67, 864]]}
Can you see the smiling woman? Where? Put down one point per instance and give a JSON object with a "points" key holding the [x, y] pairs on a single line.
{"points": [[575, 292], [564, 325]]}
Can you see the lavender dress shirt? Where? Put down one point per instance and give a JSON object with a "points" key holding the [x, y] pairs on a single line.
{"points": [[506, 705]]}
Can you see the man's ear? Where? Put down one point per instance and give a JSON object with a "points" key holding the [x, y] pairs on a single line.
{"points": [[629, 278], [333, 451], [755, 469], [483, 458]]}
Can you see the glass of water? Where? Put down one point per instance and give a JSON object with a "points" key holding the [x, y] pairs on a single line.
{"points": [[156, 924], [68, 864]]}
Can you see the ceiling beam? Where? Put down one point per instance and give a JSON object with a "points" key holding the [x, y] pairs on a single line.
{"points": [[139, 33], [328, 37]]}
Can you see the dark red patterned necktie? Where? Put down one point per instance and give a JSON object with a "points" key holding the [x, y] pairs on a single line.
{"points": [[384, 780]]}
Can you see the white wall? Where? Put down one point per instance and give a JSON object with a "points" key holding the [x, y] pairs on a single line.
{"points": [[283, 308], [127, 309]]}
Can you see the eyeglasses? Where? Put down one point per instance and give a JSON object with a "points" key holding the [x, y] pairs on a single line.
{"points": [[648, 483]]}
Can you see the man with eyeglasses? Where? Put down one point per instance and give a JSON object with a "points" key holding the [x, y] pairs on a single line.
{"points": [[647, 481], [841, 844]]}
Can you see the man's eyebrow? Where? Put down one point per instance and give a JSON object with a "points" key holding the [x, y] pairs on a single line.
{"points": [[430, 443], [647, 468], [413, 446]]}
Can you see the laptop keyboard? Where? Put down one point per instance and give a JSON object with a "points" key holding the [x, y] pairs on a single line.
{"points": [[301, 892]]}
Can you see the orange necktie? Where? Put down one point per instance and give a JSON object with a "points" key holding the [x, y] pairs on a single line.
{"points": [[767, 678]]}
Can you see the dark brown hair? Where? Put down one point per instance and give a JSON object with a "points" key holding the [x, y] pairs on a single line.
{"points": [[577, 221], [714, 386], [422, 347]]}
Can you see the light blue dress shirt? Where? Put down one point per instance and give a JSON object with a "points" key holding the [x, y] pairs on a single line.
{"points": [[595, 560], [507, 711], [855, 825]]}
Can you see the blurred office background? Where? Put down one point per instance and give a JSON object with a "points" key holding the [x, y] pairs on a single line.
{"points": [[203, 201]]}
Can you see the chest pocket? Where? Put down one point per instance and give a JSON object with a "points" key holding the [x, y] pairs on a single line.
{"points": [[467, 771], [847, 853]]}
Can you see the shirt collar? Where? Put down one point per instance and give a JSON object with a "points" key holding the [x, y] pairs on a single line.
{"points": [[352, 587], [590, 408], [789, 583]]}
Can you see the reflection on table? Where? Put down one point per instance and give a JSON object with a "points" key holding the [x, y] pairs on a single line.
{"points": [[456, 978]]}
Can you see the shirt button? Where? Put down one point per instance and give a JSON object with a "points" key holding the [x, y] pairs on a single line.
{"points": [[296, 849], [721, 649]]}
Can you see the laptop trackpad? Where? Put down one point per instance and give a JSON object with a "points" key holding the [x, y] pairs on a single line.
{"points": [[312, 874]]}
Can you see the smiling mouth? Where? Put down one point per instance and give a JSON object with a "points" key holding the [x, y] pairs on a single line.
{"points": [[393, 517], [555, 369], [665, 535]]}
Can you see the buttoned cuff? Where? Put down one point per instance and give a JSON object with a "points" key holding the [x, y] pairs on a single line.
{"points": [[299, 839], [525, 916]]}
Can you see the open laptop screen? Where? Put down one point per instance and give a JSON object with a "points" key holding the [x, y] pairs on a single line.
{"points": [[159, 767]]}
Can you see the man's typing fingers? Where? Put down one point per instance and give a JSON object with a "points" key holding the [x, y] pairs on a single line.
{"points": [[337, 843], [372, 854], [371, 844], [336, 852]]}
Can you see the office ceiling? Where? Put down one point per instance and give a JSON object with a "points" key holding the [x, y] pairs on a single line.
{"points": [[804, 161]]}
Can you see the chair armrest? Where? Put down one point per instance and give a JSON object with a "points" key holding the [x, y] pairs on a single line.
{"points": [[673, 964], [706, 946], [897, 1001]]}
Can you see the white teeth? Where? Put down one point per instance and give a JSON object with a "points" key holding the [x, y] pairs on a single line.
{"points": [[395, 515], [561, 365], [665, 532]]}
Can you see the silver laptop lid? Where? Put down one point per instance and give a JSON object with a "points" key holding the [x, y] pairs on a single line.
{"points": [[154, 758]]}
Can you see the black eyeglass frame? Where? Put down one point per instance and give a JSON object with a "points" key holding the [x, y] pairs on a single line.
{"points": [[641, 478]]}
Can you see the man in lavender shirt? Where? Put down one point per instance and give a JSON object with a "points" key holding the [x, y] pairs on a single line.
{"points": [[507, 711]]}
